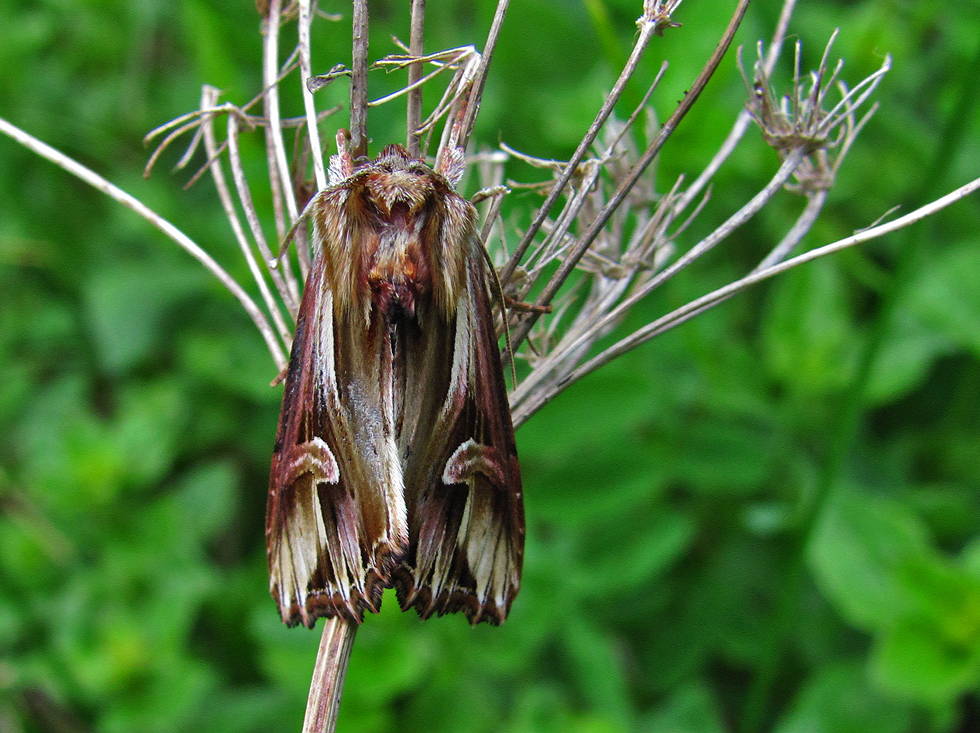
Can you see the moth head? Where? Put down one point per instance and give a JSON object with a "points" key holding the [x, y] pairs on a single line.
{"points": [[398, 184]]}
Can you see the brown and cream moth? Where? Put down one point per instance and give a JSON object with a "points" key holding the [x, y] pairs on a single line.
{"points": [[395, 463]]}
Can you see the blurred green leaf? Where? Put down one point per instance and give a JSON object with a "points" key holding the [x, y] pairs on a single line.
{"points": [[864, 553], [126, 316], [947, 294], [840, 699], [905, 358], [809, 335], [691, 709], [916, 660], [205, 499], [874, 560]]}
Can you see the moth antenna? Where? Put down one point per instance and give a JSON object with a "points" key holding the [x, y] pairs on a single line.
{"points": [[341, 168], [345, 160], [451, 157], [291, 234], [280, 377], [499, 291]]}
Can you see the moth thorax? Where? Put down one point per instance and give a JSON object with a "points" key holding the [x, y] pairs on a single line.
{"points": [[399, 277]]}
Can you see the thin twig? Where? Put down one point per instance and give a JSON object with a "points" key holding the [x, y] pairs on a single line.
{"points": [[469, 122], [209, 94], [252, 217], [744, 118], [306, 71], [117, 194], [276, 149], [524, 326], [814, 205], [674, 318]]}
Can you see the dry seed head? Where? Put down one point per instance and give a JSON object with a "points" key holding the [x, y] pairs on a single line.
{"points": [[658, 12], [800, 121]]}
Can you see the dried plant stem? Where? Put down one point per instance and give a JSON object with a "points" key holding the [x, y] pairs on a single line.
{"points": [[208, 98], [814, 205], [715, 297], [416, 48], [481, 73], [358, 84], [306, 72], [646, 33], [283, 196], [328, 675], [252, 217], [117, 194], [337, 639], [270, 78], [535, 391], [572, 259], [744, 118]]}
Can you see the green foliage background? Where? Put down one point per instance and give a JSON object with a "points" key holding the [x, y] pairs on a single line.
{"points": [[766, 520]]}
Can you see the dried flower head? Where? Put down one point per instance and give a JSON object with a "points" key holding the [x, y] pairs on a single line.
{"points": [[658, 13], [800, 121]]}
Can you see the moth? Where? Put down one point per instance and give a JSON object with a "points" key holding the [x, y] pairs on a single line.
{"points": [[394, 463]]}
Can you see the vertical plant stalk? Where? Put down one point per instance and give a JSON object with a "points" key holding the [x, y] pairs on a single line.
{"points": [[415, 48], [328, 675], [358, 85], [278, 164], [337, 639], [306, 72]]}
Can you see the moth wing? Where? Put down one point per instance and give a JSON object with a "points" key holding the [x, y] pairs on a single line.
{"points": [[462, 481], [332, 538]]}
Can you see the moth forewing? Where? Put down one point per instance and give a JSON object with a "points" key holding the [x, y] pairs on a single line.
{"points": [[466, 520], [333, 534], [395, 461]]}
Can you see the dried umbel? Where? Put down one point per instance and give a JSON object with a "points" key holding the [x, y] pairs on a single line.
{"points": [[395, 462]]}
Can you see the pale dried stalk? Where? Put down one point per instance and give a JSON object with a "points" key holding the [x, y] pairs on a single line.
{"points": [[306, 72], [647, 31], [208, 98], [715, 297], [524, 326], [255, 226], [323, 703], [182, 240], [283, 194]]}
